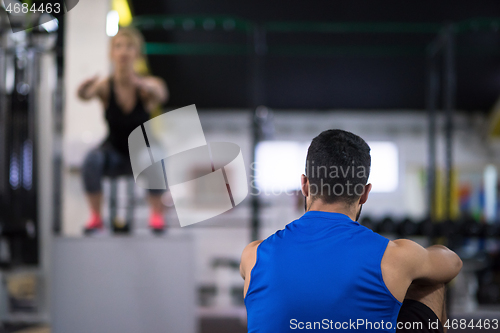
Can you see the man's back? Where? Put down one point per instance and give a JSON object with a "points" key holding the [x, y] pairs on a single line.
{"points": [[322, 271], [329, 267]]}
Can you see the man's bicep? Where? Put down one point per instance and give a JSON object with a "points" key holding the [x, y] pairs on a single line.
{"points": [[441, 264], [435, 264]]}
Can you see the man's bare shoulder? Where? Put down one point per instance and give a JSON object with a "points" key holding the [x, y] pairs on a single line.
{"points": [[403, 250], [409, 257], [249, 257], [404, 245], [398, 265], [251, 249]]}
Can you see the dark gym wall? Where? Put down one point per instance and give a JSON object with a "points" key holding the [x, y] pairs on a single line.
{"points": [[327, 10], [356, 78]]}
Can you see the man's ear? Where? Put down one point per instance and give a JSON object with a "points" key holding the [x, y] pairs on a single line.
{"points": [[304, 185], [364, 196]]}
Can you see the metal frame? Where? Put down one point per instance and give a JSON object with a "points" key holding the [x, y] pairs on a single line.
{"points": [[441, 49]]}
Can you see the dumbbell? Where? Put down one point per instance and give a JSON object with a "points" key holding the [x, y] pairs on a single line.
{"points": [[407, 228], [386, 226], [367, 222], [491, 230], [425, 228], [446, 228], [471, 228]]}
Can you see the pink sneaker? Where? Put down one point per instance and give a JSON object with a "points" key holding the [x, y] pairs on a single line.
{"points": [[156, 223], [94, 224]]}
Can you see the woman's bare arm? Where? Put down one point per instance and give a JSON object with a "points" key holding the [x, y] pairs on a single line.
{"points": [[153, 90], [90, 88]]}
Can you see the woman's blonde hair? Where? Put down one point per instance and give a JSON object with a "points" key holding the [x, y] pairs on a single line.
{"points": [[141, 64], [133, 34]]}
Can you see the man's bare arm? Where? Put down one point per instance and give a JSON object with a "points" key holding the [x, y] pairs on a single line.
{"points": [[433, 265], [248, 259]]}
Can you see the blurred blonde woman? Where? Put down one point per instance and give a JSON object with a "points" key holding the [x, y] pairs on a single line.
{"points": [[127, 99]]}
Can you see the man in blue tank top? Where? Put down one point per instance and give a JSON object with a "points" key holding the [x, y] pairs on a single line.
{"points": [[326, 272]]}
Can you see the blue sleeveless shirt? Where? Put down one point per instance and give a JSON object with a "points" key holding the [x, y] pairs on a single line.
{"points": [[320, 273]]}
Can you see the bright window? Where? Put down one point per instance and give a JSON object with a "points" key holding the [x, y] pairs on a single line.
{"points": [[279, 165], [384, 173]]}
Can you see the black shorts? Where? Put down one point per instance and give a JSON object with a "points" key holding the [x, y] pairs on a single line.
{"points": [[412, 313]]}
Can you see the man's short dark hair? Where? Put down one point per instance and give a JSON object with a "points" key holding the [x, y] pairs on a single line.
{"points": [[337, 166]]}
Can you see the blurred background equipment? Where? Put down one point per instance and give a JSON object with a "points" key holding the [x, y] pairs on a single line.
{"points": [[421, 86], [30, 132]]}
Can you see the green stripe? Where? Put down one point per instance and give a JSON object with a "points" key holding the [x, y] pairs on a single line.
{"points": [[229, 23], [184, 22], [363, 51], [196, 49], [353, 27]]}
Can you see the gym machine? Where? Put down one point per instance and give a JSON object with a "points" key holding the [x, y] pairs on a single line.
{"points": [[30, 122]]}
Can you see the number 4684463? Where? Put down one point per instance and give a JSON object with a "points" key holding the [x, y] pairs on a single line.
{"points": [[18, 8]]}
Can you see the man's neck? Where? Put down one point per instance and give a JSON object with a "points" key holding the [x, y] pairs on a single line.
{"points": [[337, 207]]}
